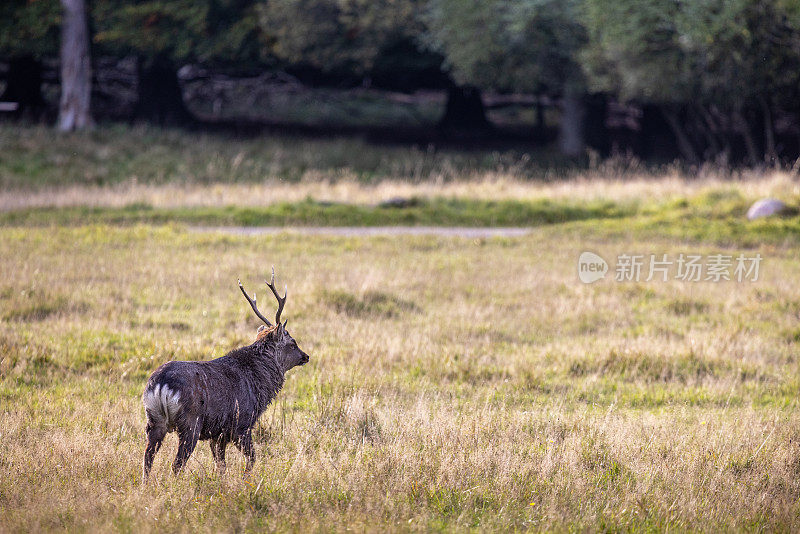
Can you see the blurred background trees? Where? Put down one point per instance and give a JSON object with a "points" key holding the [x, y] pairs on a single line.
{"points": [[719, 71], [353, 42], [163, 35], [29, 33], [335, 36], [702, 79], [515, 46]]}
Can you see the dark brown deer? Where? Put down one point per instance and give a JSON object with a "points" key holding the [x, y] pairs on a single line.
{"points": [[220, 400]]}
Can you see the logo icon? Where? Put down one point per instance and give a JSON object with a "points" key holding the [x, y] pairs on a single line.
{"points": [[591, 267]]}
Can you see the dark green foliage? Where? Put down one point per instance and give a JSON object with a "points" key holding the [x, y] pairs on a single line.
{"points": [[721, 69], [722, 51], [29, 32], [166, 34], [29, 28], [180, 30], [332, 35], [512, 46]]}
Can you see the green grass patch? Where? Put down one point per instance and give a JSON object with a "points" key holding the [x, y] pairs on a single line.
{"points": [[717, 217], [420, 212], [701, 219]]}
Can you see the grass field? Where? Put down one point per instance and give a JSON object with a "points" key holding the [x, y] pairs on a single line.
{"points": [[39, 157], [454, 384]]}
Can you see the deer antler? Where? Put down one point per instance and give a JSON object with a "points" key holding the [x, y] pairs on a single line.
{"points": [[281, 301], [252, 302]]}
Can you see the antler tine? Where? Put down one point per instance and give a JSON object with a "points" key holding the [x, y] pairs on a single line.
{"points": [[252, 302], [281, 301]]}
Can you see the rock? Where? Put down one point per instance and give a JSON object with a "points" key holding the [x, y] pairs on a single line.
{"points": [[766, 207], [399, 202]]}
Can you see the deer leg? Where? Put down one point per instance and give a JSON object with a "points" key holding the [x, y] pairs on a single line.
{"points": [[155, 436], [218, 452], [188, 440], [245, 444]]}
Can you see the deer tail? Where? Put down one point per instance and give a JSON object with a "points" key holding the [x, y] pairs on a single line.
{"points": [[161, 405]]}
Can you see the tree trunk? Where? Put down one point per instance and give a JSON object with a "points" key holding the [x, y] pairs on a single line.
{"points": [[684, 144], [749, 143], [464, 110], [540, 131], [711, 131], [24, 86], [541, 125], [76, 72], [160, 96], [596, 134], [655, 139], [571, 129], [770, 153]]}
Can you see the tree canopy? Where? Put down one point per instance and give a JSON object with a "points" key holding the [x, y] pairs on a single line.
{"points": [[517, 45], [29, 28], [725, 65], [336, 34], [206, 31]]}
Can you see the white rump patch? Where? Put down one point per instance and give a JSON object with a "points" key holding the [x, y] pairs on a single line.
{"points": [[161, 404]]}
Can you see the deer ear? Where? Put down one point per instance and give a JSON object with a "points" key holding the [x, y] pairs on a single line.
{"points": [[261, 328]]}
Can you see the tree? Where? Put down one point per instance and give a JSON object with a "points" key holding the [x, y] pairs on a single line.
{"points": [[164, 34], [76, 72], [517, 45], [335, 35], [717, 69], [454, 29], [28, 33], [359, 40]]}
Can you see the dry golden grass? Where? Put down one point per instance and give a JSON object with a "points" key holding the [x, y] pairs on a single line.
{"points": [[600, 184], [454, 385]]}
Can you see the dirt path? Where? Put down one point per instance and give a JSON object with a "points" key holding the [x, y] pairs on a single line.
{"points": [[358, 231]]}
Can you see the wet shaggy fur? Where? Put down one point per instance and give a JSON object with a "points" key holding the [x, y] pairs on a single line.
{"points": [[264, 331], [219, 400]]}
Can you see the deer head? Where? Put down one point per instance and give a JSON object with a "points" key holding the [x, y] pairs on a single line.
{"points": [[287, 353]]}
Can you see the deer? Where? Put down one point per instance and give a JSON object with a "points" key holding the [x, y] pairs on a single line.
{"points": [[220, 400]]}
